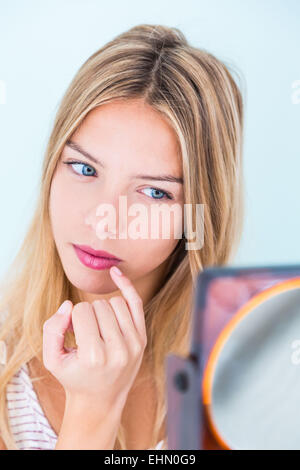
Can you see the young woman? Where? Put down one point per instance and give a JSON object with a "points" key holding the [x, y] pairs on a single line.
{"points": [[154, 119]]}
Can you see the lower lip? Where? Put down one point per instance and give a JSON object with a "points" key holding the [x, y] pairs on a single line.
{"points": [[95, 262]]}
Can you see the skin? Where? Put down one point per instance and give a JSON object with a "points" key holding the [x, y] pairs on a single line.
{"points": [[129, 138]]}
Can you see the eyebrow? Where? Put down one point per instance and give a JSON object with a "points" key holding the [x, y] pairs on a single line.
{"points": [[169, 178]]}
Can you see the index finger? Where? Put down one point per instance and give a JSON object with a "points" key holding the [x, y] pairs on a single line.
{"points": [[134, 301]]}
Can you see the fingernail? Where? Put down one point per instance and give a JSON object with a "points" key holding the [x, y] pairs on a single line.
{"points": [[117, 270], [63, 308]]}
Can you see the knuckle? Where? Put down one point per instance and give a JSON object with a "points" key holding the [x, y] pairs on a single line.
{"points": [[137, 348], [80, 307], [46, 324], [138, 301], [95, 361], [110, 340], [121, 358], [116, 299], [91, 360], [144, 341], [98, 303]]}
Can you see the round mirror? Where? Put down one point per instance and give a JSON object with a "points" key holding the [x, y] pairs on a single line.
{"points": [[251, 383]]}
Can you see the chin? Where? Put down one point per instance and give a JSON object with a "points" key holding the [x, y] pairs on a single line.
{"points": [[92, 282]]}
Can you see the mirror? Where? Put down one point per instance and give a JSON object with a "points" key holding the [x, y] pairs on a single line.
{"points": [[251, 382]]}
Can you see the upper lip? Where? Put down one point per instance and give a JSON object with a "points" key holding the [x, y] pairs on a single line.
{"points": [[99, 253]]}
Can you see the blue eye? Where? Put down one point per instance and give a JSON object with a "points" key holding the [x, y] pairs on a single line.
{"points": [[84, 164], [164, 193]]}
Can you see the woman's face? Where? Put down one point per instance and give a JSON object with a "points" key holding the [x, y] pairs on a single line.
{"points": [[128, 139]]}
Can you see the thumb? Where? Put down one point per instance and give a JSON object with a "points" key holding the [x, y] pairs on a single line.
{"points": [[54, 330]]}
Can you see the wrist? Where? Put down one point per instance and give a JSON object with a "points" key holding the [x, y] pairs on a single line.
{"points": [[92, 409], [88, 425]]}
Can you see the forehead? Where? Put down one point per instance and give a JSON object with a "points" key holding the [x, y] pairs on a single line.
{"points": [[130, 131]]}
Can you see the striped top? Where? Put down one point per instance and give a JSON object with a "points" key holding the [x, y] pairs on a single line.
{"points": [[29, 425]]}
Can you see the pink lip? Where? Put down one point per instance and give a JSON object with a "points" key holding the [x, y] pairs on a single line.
{"points": [[100, 254], [95, 262]]}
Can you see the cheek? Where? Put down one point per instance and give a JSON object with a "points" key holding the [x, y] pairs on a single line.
{"points": [[157, 251], [150, 253], [62, 205], [165, 224], [161, 236]]}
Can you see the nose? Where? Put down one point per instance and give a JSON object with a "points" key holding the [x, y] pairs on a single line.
{"points": [[107, 219]]}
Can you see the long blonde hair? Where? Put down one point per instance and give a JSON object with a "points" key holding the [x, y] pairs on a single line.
{"points": [[198, 96]]}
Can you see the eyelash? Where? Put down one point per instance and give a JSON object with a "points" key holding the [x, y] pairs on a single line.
{"points": [[168, 195]]}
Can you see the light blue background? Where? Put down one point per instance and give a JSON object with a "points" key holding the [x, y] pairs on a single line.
{"points": [[43, 43]]}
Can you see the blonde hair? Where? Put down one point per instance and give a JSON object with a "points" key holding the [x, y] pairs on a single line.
{"points": [[197, 95]]}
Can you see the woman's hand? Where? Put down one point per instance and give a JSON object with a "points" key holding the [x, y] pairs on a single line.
{"points": [[111, 338]]}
